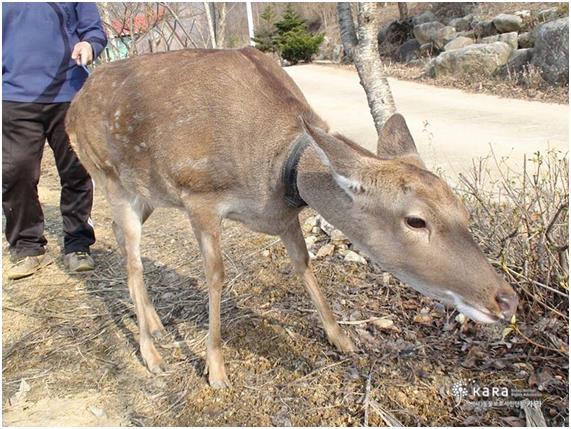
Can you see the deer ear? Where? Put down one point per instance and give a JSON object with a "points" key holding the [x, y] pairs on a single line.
{"points": [[395, 140], [343, 161]]}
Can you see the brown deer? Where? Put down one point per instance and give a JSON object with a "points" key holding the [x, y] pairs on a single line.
{"points": [[228, 134]]}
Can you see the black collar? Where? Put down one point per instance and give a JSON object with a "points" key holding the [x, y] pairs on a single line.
{"points": [[289, 172]]}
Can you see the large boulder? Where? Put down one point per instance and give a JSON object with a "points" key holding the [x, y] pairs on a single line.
{"points": [[509, 38], [481, 59], [526, 40], [460, 24], [551, 51], [396, 32], [434, 32], [458, 43], [408, 51], [506, 23], [424, 17], [517, 62], [483, 28]]}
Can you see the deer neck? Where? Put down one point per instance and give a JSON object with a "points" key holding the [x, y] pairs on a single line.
{"points": [[318, 189]]}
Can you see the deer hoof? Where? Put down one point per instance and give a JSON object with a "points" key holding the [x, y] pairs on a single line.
{"points": [[217, 378], [219, 384], [343, 343], [153, 359]]}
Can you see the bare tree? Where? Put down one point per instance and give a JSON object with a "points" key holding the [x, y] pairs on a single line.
{"points": [[403, 10], [365, 50], [210, 17]]}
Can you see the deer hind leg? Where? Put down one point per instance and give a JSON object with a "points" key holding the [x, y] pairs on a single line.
{"points": [[297, 251], [144, 211], [206, 227], [128, 219]]}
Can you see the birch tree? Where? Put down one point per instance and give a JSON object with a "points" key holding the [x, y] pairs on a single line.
{"points": [[362, 45]]}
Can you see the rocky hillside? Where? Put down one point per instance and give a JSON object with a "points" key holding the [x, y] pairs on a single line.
{"points": [[503, 45]]}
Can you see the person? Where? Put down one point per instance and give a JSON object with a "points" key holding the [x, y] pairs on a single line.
{"points": [[44, 47]]}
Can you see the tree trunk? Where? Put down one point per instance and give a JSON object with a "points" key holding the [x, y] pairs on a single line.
{"points": [[210, 21], [367, 59], [347, 29], [220, 21], [403, 10]]}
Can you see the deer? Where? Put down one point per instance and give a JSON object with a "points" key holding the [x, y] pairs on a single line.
{"points": [[227, 134]]}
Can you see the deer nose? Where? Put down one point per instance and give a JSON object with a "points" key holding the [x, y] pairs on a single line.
{"points": [[507, 301]]}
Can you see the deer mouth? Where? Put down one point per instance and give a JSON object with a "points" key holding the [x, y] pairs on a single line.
{"points": [[477, 313]]}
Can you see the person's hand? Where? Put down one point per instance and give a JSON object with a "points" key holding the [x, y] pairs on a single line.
{"points": [[82, 53]]}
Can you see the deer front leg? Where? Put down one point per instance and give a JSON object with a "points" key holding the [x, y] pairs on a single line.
{"points": [[297, 250], [207, 231]]}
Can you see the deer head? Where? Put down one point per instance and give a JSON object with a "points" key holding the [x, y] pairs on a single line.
{"points": [[410, 222]]}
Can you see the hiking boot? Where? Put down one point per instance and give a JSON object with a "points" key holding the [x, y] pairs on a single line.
{"points": [[28, 265], [78, 261]]}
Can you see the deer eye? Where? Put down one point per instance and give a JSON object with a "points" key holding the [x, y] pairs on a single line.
{"points": [[415, 222]]}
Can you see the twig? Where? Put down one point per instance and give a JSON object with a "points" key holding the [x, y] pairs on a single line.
{"points": [[315, 371], [529, 340], [367, 394], [359, 322]]}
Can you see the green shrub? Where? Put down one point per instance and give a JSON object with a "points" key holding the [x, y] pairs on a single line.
{"points": [[299, 45], [289, 36]]}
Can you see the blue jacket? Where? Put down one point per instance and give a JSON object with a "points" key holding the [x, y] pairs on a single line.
{"points": [[37, 42]]}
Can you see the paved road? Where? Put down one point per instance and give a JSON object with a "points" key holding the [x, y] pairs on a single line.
{"points": [[450, 127]]}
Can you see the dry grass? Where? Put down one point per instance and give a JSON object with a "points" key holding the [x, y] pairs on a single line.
{"points": [[76, 337]]}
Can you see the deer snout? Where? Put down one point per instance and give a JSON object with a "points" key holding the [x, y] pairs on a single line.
{"points": [[507, 302]]}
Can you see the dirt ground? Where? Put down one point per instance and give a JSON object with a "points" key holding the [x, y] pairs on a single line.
{"points": [[73, 339]]}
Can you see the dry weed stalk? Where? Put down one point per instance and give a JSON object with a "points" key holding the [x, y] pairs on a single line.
{"points": [[522, 223]]}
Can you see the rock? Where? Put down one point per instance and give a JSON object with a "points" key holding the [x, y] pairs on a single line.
{"points": [[509, 38], [459, 42], [423, 18], [428, 50], [523, 14], [386, 279], [506, 23], [316, 230], [425, 33], [551, 51], [396, 32], [325, 226], [408, 51], [352, 256], [480, 59], [526, 40], [383, 323], [311, 221], [326, 250], [484, 28], [460, 318], [517, 62], [310, 240], [311, 255], [21, 394], [434, 32], [469, 33], [460, 24], [423, 319], [97, 412], [337, 236]]}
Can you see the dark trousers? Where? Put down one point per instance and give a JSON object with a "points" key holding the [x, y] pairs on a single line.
{"points": [[25, 128]]}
